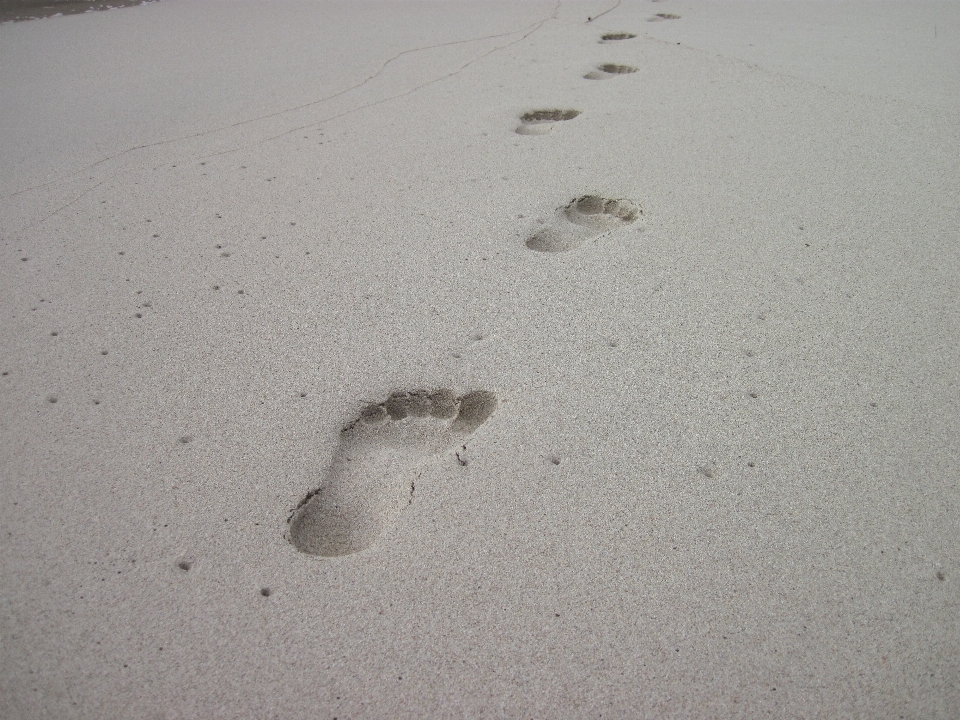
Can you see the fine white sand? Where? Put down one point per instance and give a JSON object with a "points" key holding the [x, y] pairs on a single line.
{"points": [[722, 474]]}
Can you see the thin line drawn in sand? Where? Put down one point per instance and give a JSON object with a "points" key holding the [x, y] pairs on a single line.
{"points": [[77, 175], [588, 217], [379, 457], [541, 122], [609, 70]]}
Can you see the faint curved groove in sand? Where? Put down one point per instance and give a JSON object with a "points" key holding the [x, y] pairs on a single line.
{"points": [[379, 457], [78, 198], [529, 30]]}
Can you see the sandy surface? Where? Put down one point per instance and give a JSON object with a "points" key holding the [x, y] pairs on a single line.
{"points": [[721, 479]]}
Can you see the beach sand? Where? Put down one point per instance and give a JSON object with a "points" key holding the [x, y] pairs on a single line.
{"points": [[677, 317]]}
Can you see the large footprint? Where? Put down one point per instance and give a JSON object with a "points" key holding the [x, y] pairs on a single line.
{"points": [[378, 459], [582, 219]]}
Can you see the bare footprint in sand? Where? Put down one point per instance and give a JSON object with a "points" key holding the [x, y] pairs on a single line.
{"points": [[582, 219], [379, 457], [660, 17], [610, 70], [615, 37], [540, 122]]}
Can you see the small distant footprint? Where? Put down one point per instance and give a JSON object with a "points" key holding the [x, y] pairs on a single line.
{"points": [[540, 122], [378, 459], [609, 70], [582, 219], [615, 36], [660, 17]]}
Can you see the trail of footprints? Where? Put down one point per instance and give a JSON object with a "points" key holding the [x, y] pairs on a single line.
{"points": [[381, 453]]}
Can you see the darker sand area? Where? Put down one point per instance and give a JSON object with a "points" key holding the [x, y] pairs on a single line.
{"points": [[477, 359]]}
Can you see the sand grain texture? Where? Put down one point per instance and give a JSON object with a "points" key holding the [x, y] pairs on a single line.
{"points": [[722, 475]]}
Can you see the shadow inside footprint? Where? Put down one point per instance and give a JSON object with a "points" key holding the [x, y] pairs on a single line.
{"points": [[603, 72], [379, 456], [615, 36], [582, 219], [540, 122]]}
